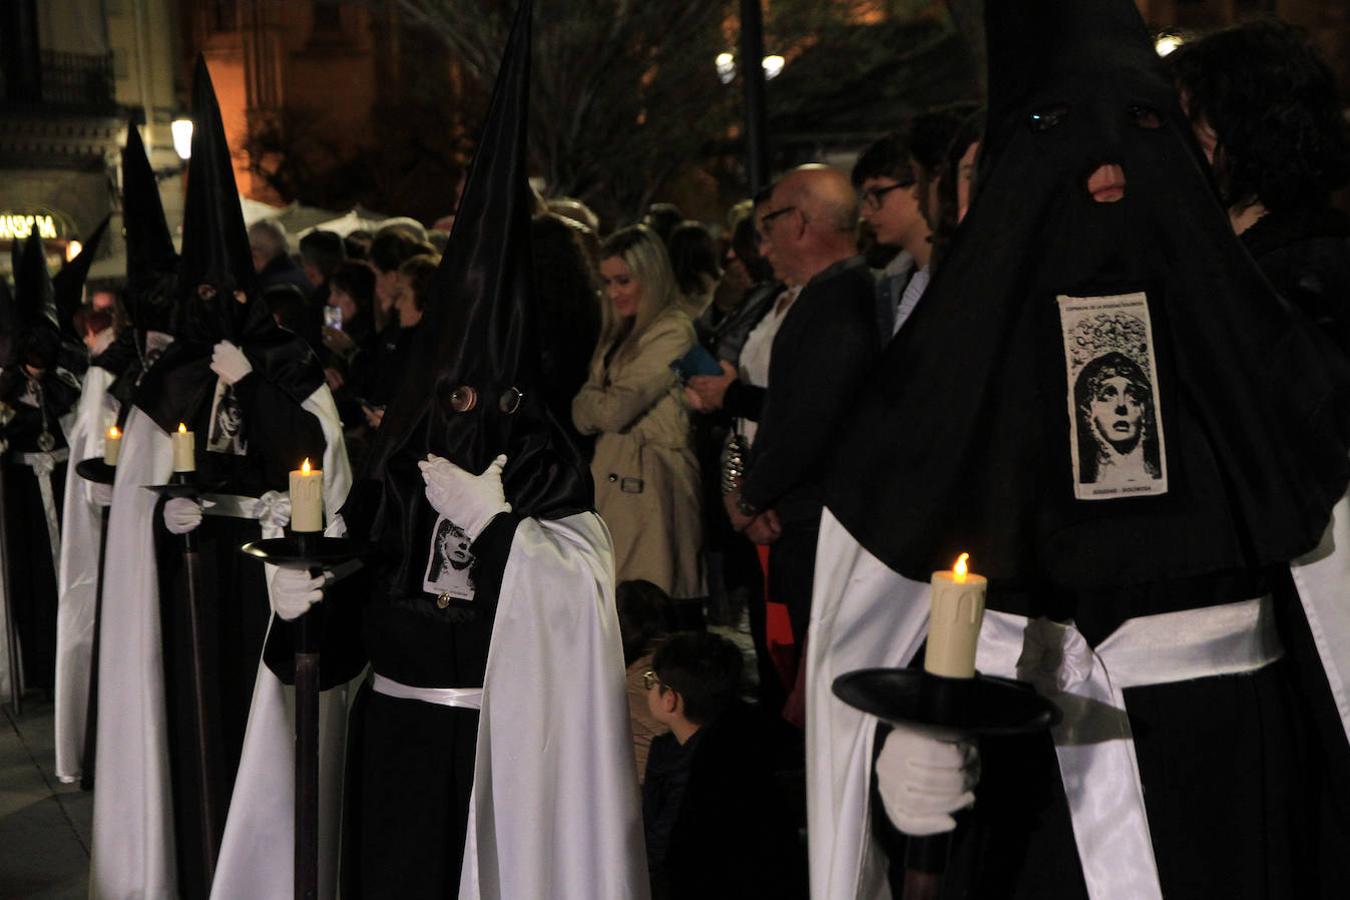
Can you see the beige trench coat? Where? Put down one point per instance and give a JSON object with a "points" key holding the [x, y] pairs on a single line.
{"points": [[646, 475]]}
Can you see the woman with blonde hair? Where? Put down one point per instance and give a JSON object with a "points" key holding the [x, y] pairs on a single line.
{"points": [[646, 474]]}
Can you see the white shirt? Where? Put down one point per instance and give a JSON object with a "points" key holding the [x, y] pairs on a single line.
{"points": [[910, 298], [758, 349]]}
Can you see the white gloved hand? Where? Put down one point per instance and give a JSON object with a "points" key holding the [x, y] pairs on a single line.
{"points": [[100, 494], [230, 363], [924, 779], [470, 501], [294, 591], [183, 514]]}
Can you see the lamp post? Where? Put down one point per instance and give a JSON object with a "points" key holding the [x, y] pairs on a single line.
{"points": [[182, 137], [752, 79]]}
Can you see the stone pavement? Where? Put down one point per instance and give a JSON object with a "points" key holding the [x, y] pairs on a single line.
{"points": [[44, 825]]}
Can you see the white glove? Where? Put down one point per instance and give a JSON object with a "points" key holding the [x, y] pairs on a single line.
{"points": [[924, 779], [230, 363], [470, 501], [183, 514], [294, 591], [100, 494]]}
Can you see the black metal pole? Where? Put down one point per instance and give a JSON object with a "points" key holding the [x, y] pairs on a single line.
{"points": [[946, 701], [307, 639], [91, 707], [11, 629], [210, 803], [752, 79]]}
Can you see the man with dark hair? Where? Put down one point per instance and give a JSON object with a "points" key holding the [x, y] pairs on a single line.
{"points": [[662, 218], [885, 178], [710, 810], [321, 252], [930, 135], [391, 248], [1265, 109]]}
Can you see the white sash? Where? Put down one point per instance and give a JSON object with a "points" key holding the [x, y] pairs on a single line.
{"points": [[1093, 742], [466, 698]]}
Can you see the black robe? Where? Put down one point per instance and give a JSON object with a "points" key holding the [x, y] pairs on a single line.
{"points": [[234, 602], [32, 564]]}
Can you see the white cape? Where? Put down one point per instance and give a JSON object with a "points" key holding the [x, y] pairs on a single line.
{"points": [[865, 614], [77, 573], [555, 809], [133, 837]]}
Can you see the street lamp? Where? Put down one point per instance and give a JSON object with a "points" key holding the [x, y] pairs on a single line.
{"points": [[726, 66], [1167, 42], [182, 137]]}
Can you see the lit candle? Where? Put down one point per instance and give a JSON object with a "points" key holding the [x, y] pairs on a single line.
{"points": [[307, 498], [184, 447], [112, 446], [954, 625]]}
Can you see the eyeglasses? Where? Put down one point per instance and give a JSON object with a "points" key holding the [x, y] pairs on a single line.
{"points": [[874, 197], [768, 217], [649, 680]]}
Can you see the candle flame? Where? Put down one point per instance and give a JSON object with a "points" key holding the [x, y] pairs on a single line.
{"points": [[304, 467], [959, 570], [182, 429], [114, 433]]}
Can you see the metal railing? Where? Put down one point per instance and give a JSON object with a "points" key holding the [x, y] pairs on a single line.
{"points": [[77, 80], [71, 81]]}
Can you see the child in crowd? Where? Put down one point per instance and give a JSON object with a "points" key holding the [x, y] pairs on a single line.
{"points": [[716, 825]]}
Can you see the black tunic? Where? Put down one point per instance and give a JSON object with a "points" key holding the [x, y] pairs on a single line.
{"points": [[32, 567], [234, 606], [411, 763], [1244, 776]]}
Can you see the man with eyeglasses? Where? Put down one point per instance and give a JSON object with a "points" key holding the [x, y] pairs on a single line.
{"points": [[885, 178], [822, 352]]}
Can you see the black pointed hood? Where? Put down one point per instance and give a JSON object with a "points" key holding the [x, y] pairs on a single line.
{"points": [[39, 329], [216, 294], [215, 241], [152, 262], [1033, 44], [68, 284], [1092, 394], [479, 331], [479, 338]]}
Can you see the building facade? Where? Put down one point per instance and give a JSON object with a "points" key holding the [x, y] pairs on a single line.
{"points": [[74, 74]]}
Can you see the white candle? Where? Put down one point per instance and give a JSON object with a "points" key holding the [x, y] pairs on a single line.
{"points": [[112, 446], [954, 625], [184, 450], [307, 498]]}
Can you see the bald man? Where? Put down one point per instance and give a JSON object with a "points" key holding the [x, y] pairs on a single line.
{"points": [[826, 344]]}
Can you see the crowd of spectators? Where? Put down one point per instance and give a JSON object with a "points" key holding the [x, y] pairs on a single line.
{"points": [[709, 366]]}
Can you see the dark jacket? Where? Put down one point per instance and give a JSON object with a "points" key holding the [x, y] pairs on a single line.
{"points": [[724, 822], [1305, 254], [822, 354]]}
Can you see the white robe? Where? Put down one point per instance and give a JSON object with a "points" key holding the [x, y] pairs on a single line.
{"points": [[133, 836], [77, 573], [865, 615]]}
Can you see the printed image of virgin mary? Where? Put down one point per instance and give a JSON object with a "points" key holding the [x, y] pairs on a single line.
{"points": [[1117, 422]]}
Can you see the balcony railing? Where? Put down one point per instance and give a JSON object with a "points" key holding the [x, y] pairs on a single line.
{"points": [[68, 81]]}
